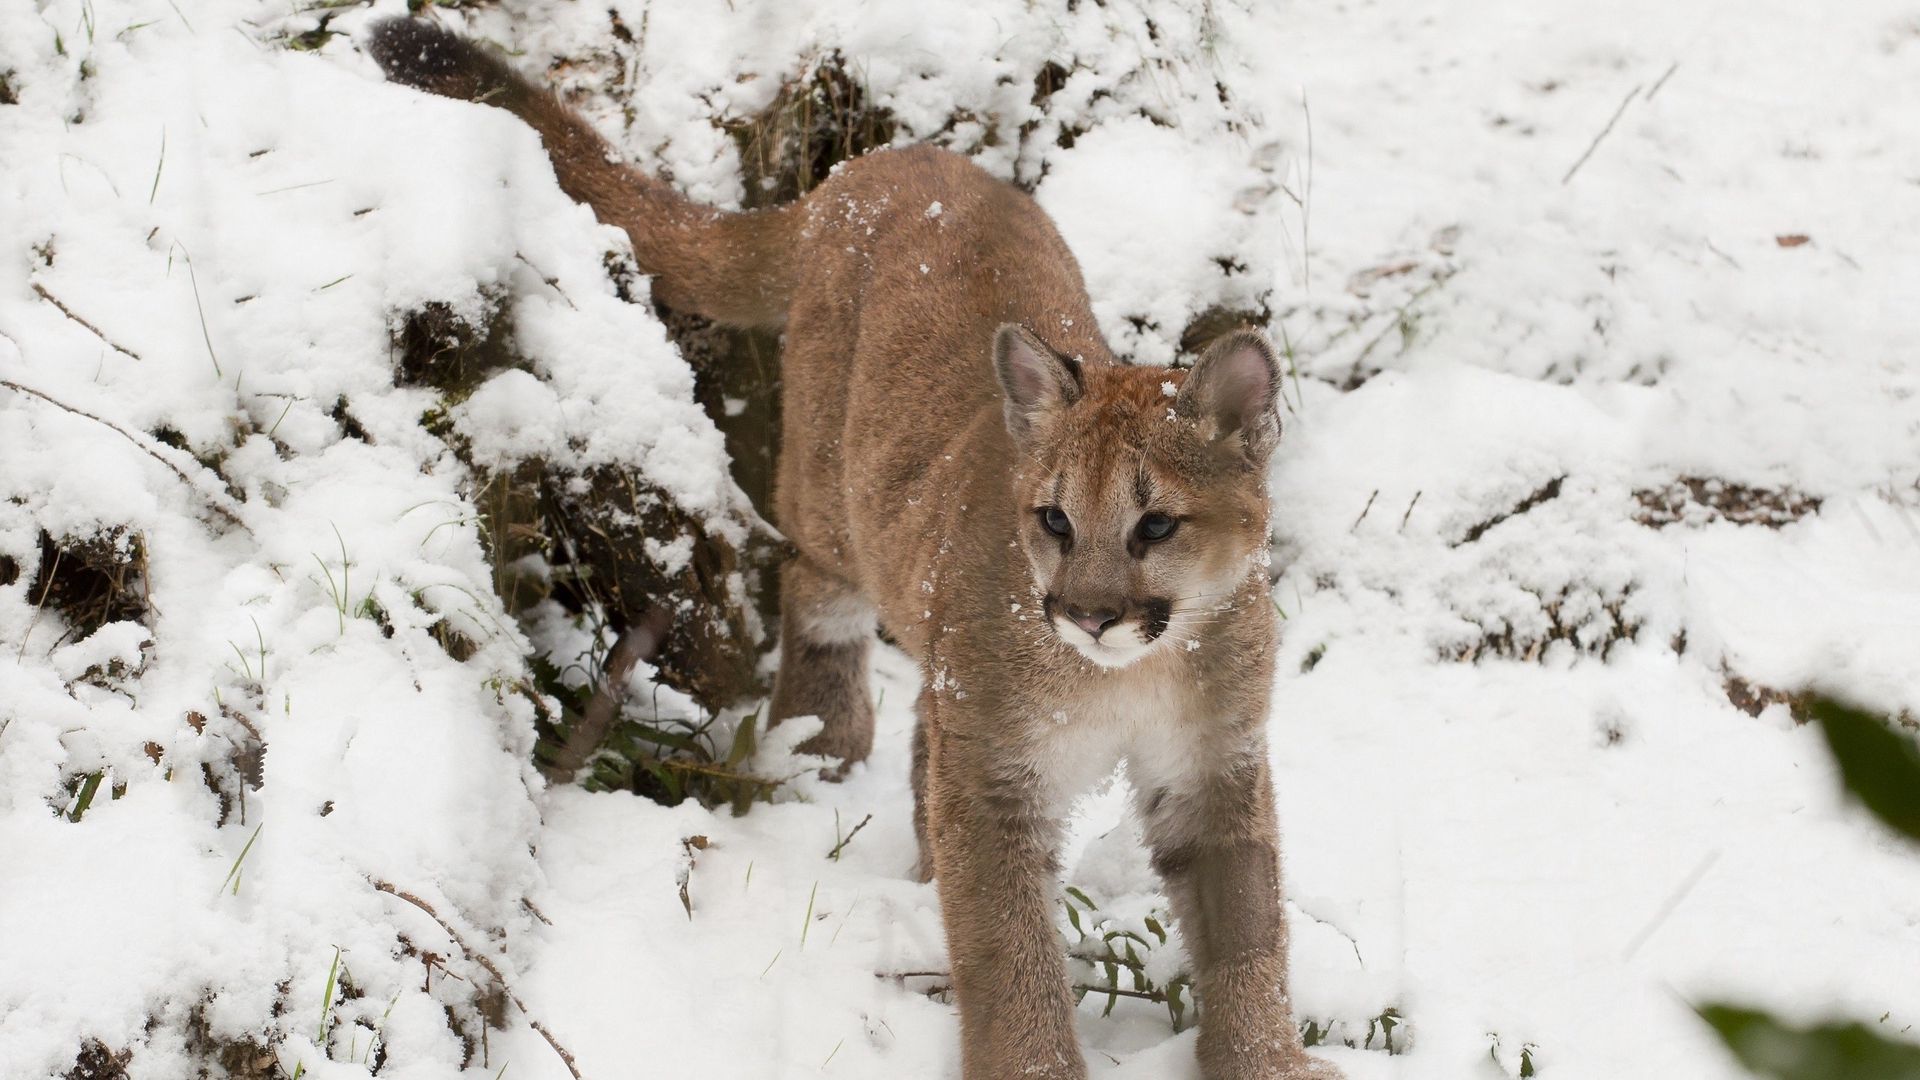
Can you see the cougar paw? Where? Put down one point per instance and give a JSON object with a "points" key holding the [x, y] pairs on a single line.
{"points": [[1302, 1067], [1308, 1068]]}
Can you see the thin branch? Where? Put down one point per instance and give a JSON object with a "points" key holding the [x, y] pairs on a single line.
{"points": [[637, 643], [217, 502], [1595, 144], [94, 330], [848, 839], [41, 604], [1415, 502], [1662, 80], [1363, 510], [1336, 929], [551, 282], [1156, 996], [491, 968], [1671, 904], [535, 912]]}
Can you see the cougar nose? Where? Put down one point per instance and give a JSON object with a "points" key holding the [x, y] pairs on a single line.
{"points": [[1093, 622]]}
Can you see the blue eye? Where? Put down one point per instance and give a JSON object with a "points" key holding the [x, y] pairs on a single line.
{"points": [[1157, 527], [1055, 521]]}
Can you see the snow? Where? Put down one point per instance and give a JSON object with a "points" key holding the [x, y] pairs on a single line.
{"points": [[1507, 819]]}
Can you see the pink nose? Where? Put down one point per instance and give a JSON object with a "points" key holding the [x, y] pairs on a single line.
{"points": [[1093, 622]]}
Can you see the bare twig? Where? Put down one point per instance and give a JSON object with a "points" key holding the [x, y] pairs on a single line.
{"points": [[219, 502], [1662, 80], [848, 839], [1592, 146], [1672, 903], [1363, 510], [550, 281], [1731, 261], [92, 329], [1336, 929], [492, 969], [41, 604], [1157, 996], [1410, 505], [637, 643]]}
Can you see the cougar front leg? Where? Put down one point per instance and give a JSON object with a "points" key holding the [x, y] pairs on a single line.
{"points": [[1216, 846], [826, 630], [993, 853]]}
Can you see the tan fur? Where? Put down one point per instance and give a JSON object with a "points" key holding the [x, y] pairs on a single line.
{"points": [[911, 484]]}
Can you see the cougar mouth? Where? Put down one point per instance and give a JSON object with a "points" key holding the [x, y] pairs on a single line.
{"points": [[1115, 643], [1101, 653]]}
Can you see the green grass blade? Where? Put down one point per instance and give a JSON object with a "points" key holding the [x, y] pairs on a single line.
{"points": [[87, 792], [233, 873], [326, 999]]}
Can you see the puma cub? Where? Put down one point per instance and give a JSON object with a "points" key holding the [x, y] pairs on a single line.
{"points": [[1073, 550]]}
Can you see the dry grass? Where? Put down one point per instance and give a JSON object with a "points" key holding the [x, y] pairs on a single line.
{"points": [[89, 581], [816, 122]]}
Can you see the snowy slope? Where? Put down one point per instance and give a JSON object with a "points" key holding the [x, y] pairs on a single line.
{"points": [[1573, 463]]}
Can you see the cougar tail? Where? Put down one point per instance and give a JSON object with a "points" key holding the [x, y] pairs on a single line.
{"points": [[733, 268]]}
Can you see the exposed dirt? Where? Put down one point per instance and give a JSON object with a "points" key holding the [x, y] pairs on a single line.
{"points": [[90, 580], [1593, 634], [1694, 500], [588, 525], [1753, 698], [96, 1062]]}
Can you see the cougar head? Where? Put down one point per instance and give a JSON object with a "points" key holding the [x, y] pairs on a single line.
{"points": [[1141, 491]]}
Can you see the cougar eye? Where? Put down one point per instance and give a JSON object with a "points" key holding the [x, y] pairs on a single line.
{"points": [[1055, 521], [1157, 527]]}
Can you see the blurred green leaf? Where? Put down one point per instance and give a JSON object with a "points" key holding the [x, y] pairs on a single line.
{"points": [[742, 797], [673, 740], [1879, 765], [1833, 1052], [744, 740]]}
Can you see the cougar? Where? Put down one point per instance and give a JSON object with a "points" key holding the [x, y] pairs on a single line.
{"points": [[1073, 549]]}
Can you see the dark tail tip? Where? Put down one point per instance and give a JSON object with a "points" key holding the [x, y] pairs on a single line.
{"points": [[427, 55]]}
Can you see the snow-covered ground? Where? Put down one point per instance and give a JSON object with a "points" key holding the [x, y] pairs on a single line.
{"points": [[1588, 441]]}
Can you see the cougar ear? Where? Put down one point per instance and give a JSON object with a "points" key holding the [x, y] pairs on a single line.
{"points": [[1034, 378], [1236, 384]]}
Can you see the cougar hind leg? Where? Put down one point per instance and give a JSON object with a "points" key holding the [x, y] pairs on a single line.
{"points": [[826, 632], [923, 868]]}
